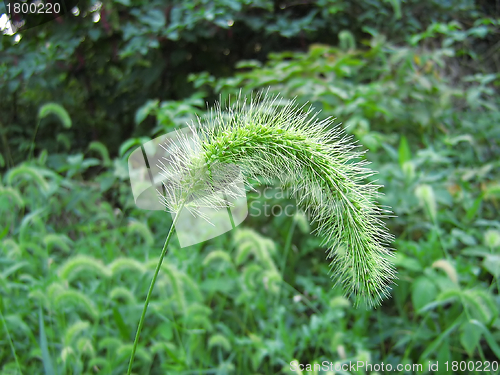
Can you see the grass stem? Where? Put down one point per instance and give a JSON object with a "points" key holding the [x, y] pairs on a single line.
{"points": [[148, 297], [11, 343]]}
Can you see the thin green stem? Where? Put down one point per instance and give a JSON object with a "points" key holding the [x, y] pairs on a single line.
{"points": [[148, 297], [32, 145], [11, 342]]}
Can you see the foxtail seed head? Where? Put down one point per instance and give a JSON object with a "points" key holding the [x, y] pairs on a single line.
{"points": [[315, 160]]}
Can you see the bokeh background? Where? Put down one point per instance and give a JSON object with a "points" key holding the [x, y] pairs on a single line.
{"points": [[415, 82]]}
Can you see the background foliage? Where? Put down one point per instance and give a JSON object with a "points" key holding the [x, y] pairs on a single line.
{"points": [[415, 82]]}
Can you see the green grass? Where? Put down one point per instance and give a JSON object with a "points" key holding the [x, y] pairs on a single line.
{"points": [[250, 300], [77, 256]]}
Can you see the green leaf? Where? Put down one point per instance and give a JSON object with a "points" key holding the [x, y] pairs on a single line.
{"points": [[127, 145], [411, 264], [222, 285], [404, 152], [396, 6], [55, 109], [424, 291], [106, 181], [469, 337], [443, 353], [145, 110], [154, 18], [492, 263], [437, 342], [481, 305], [46, 359], [4, 231], [490, 339], [463, 237], [471, 212], [122, 327]]}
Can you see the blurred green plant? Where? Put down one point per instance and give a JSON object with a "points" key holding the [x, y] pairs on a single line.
{"points": [[72, 262], [105, 59]]}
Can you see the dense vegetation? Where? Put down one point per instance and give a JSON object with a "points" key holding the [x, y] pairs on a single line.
{"points": [[415, 82]]}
